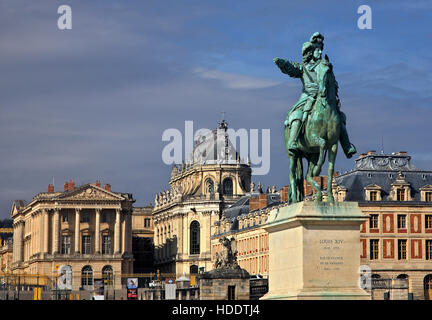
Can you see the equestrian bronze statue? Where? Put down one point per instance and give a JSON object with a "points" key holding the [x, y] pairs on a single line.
{"points": [[315, 124]]}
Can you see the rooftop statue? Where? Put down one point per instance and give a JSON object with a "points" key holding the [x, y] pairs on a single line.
{"points": [[315, 124]]}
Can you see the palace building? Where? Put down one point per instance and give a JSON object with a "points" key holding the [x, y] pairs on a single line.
{"points": [[396, 242], [84, 230], [211, 180]]}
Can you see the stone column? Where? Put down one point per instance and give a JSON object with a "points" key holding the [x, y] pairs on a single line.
{"points": [[20, 241], [117, 232], [56, 231], [123, 234], [97, 230], [77, 230], [45, 231], [129, 232]]}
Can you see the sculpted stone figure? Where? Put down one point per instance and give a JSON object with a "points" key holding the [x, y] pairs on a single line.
{"points": [[315, 124], [227, 259]]}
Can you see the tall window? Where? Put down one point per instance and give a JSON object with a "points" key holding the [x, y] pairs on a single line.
{"points": [[106, 244], [373, 195], [428, 249], [402, 249], [428, 196], [107, 275], [373, 221], [374, 249], [400, 195], [105, 217], [86, 276], [65, 216], [210, 186], [66, 245], [428, 221], [85, 245], [85, 216], [147, 223], [228, 187], [401, 221], [194, 237]]}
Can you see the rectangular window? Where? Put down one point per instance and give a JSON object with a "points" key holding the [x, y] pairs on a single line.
{"points": [[428, 221], [373, 195], [85, 217], [106, 245], [401, 218], [65, 216], [428, 249], [400, 195], [105, 217], [147, 223], [373, 221], [402, 248], [85, 245], [428, 197], [66, 245], [374, 249]]}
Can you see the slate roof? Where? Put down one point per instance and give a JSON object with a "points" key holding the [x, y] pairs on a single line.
{"points": [[382, 170], [241, 207]]}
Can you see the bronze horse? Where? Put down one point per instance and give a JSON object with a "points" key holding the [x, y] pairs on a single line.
{"points": [[321, 135]]}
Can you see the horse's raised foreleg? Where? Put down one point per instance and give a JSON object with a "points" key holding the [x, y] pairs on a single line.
{"points": [[322, 144], [332, 151], [309, 178]]}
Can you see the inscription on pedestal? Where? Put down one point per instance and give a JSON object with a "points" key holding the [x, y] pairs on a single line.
{"points": [[330, 258]]}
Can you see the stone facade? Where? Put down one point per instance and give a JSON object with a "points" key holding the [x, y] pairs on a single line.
{"points": [[142, 239], [87, 228], [388, 188], [214, 178]]}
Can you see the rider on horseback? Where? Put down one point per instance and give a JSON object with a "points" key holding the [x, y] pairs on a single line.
{"points": [[311, 71]]}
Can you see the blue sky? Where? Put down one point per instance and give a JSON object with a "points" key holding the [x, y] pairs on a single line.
{"points": [[92, 102]]}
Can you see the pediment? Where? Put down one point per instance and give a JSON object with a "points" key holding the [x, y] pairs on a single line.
{"points": [[90, 192], [373, 187], [426, 188]]}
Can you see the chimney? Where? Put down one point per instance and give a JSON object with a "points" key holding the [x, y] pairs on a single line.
{"points": [[362, 155], [98, 184], [71, 186], [66, 186], [284, 194], [402, 153], [372, 152], [253, 203], [262, 201], [107, 187], [50, 188]]}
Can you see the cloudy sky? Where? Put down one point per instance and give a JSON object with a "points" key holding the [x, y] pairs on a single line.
{"points": [[92, 102]]}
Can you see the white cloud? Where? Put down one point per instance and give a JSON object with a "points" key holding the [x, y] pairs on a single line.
{"points": [[236, 81]]}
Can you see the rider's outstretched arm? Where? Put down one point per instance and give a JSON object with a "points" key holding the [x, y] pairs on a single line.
{"points": [[293, 69]]}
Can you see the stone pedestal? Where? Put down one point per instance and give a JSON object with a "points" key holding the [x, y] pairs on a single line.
{"points": [[314, 251], [217, 284]]}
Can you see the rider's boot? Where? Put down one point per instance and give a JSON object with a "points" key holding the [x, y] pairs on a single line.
{"points": [[348, 148], [294, 133]]}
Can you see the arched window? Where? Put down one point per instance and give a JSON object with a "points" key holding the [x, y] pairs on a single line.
{"points": [[428, 287], [209, 186], [86, 277], [193, 269], [194, 237], [228, 187], [107, 276]]}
